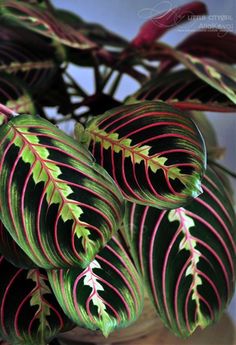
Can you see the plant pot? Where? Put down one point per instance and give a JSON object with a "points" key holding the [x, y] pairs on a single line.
{"points": [[147, 323]]}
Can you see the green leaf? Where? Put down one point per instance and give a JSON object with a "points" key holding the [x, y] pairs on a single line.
{"points": [[154, 152], [35, 18], [187, 256], [57, 203], [107, 295], [185, 90], [219, 75], [29, 312], [15, 94], [12, 252], [93, 31]]}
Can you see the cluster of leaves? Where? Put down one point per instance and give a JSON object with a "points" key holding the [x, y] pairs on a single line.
{"points": [[135, 177]]}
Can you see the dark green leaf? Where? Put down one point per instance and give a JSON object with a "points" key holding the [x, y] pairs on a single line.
{"points": [[220, 76], [29, 312], [15, 94], [187, 256], [154, 152], [211, 43], [185, 90], [57, 203], [45, 23], [12, 252], [93, 31], [107, 295]]}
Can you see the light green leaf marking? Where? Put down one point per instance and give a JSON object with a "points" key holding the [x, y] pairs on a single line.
{"points": [[37, 299], [23, 104], [189, 243], [90, 279], [213, 74], [139, 154], [57, 191]]}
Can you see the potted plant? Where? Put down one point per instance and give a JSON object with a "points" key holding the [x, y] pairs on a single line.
{"points": [[134, 198]]}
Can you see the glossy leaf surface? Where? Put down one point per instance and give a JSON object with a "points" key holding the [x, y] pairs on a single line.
{"points": [[187, 256], [107, 295], [57, 203], [154, 152], [29, 312], [12, 251], [185, 90], [45, 23]]}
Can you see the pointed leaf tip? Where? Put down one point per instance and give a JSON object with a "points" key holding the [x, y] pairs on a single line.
{"points": [[156, 154]]}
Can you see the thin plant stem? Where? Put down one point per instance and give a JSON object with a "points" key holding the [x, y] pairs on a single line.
{"points": [[107, 78], [97, 75], [226, 170], [115, 84], [76, 86]]}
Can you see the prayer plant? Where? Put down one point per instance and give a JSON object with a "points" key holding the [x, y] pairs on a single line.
{"points": [[132, 199]]}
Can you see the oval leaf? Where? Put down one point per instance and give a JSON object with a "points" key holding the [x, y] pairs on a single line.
{"points": [[185, 90], [107, 295], [57, 203], [154, 152], [190, 266], [29, 312]]}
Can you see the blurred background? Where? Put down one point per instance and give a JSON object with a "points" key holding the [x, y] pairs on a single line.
{"points": [[125, 18]]}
